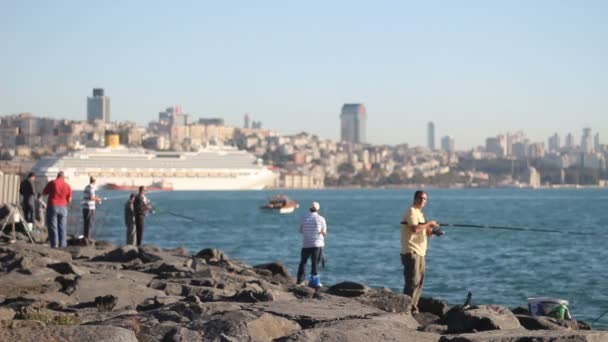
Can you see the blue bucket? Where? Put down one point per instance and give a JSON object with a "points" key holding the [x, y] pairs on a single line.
{"points": [[314, 281]]}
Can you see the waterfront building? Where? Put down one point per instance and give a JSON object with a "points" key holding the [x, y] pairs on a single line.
{"points": [[353, 123], [497, 145], [98, 106]]}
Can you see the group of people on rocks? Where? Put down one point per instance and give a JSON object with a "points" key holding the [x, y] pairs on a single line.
{"points": [[54, 212], [415, 230]]}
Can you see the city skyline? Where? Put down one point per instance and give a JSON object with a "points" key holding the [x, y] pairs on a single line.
{"points": [[475, 70]]}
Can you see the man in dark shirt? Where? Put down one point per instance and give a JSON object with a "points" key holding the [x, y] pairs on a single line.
{"points": [[141, 206], [59, 197], [27, 189]]}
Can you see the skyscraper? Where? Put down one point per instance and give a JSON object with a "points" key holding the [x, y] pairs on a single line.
{"points": [[586, 142], [447, 143], [554, 143], [247, 121], [353, 123], [431, 135], [98, 106]]}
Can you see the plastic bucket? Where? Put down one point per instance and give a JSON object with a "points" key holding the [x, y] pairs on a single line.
{"points": [[542, 306], [314, 281]]}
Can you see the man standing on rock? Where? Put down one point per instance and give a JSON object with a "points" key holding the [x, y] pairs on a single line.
{"points": [[141, 206], [27, 189], [89, 199], [59, 197], [414, 234], [130, 220], [314, 230]]}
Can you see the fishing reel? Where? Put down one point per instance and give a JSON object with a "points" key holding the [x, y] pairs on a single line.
{"points": [[437, 231]]}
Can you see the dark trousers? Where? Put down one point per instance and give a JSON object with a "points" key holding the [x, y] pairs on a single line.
{"points": [[413, 274], [139, 227], [29, 209], [88, 217], [313, 253]]}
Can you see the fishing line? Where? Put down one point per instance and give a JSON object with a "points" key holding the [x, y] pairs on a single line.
{"points": [[602, 315], [485, 226], [511, 228]]}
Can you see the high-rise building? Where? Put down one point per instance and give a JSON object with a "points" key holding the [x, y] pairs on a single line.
{"points": [[247, 123], [98, 106], [586, 142], [431, 135], [569, 141], [554, 143], [497, 145], [447, 143], [596, 142], [353, 123]]}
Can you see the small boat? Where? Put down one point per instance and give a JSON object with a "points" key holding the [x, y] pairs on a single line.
{"points": [[281, 203], [156, 186]]}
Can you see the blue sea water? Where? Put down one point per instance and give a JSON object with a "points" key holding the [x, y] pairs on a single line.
{"points": [[497, 266]]}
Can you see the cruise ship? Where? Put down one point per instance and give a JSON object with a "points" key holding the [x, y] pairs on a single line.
{"points": [[211, 168]]}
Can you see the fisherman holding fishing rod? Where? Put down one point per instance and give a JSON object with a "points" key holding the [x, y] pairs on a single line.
{"points": [[89, 200], [141, 207], [415, 231]]}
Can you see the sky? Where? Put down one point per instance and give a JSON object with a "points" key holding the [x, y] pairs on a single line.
{"points": [[474, 68]]}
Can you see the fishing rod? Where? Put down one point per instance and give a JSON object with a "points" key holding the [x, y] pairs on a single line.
{"points": [[485, 226], [540, 230]]}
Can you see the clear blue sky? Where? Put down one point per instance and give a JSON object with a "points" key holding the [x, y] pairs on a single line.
{"points": [[475, 68]]}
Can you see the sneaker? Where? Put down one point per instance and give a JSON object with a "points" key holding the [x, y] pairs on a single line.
{"points": [[302, 283]]}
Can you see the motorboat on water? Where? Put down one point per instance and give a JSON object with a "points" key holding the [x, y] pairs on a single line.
{"points": [[281, 203]]}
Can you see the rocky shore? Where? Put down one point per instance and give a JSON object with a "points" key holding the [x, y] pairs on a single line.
{"points": [[101, 292]]}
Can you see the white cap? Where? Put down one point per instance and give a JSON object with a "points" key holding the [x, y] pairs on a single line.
{"points": [[315, 205]]}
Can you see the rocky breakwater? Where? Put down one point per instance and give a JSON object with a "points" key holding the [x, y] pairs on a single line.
{"points": [[102, 292]]}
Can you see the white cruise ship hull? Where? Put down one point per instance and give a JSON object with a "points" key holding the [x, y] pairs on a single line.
{"points": [[185, 171]]}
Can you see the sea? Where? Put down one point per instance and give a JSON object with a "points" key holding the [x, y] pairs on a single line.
{"points": [[497, 266]]}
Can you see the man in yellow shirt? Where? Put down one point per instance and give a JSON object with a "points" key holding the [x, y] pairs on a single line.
{"points": [[414, 234]]}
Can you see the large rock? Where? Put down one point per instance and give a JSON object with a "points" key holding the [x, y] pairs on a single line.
{"points": [[386, 300], [434, 306], [481, 318], [269, 327], [361, 330], [67, 268], [308, 312], [348, 289], [150, 253], [529, 336], [546, 323], [120, 254], [129, 291], [68, 333], [277, 272]]}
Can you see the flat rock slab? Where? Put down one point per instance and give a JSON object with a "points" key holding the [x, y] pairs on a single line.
{"points": [[130, 293], [56, 333], [362, 330], [309, 312], [528, 336], [31, 250]]}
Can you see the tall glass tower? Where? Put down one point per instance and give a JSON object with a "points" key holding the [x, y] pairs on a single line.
{"points": [[431, 135], [353, 123], [98, 106]]}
